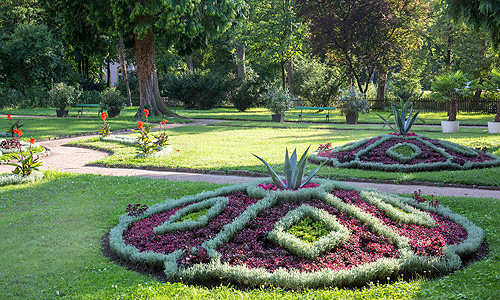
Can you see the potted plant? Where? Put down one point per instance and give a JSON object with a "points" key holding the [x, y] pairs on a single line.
{"points": [[493, 86], [351, 102], [448, 88], [278, 101], [112, 101], [61, 96]]}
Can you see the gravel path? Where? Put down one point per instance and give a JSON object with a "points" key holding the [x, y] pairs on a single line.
{"points": [[73, 159]]}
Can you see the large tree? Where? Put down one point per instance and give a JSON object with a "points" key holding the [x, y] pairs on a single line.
{"points": [[361, 35], [186, 23], [481, 13]]}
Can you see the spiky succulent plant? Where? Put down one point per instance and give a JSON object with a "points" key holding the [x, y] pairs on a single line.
{"points": [[402, 118], [294, 171]]}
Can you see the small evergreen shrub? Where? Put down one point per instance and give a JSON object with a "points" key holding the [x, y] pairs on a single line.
{"points": [[248, 95], [197, 90]]}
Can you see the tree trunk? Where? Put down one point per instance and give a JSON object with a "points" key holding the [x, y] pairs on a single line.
{"points": [[477, 95], [123, 64], [189, 63], [283, 76], [453, 107], [148, 80], [289, 71], [240, 60], [381, 83], [108, 73]]}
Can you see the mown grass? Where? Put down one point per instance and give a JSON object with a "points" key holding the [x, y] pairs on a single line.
{"points": [[261, 114], [51, 247], [226, 148], [49, 127]]}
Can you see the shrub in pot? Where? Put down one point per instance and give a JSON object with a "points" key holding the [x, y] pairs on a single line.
{"points": [[61, 96], [112, 101], [351, 102], [449, 88], [278, 101]]}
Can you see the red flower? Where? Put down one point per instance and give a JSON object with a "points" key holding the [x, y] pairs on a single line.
{"points": [[104, 116], [32, 140], [140, 125], [19, 132], [146, 112], [164, 121], [9, 117], [178, 150]]}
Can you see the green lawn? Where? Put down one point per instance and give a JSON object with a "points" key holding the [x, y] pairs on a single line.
{"points": [[49, 127], [51, 247], [261, 114], [225, 148]]}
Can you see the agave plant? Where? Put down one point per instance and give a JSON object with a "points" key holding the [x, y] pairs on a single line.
{"points": [[403, 120], [293, 171]]}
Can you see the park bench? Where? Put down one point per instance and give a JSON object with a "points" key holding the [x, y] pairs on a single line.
{"points": [[82, 106], [304, 109]]}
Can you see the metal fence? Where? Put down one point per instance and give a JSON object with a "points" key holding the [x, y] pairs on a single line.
{"points": [[482, 105]]}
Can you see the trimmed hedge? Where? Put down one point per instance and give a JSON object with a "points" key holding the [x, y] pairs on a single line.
{"points": [[405, 210], [369, 154]]}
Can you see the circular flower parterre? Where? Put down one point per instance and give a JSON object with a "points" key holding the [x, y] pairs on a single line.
{"points": [[240, 234], [388, 152]]}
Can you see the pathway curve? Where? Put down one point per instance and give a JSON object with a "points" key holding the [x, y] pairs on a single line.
{"points": [[74, 159]]}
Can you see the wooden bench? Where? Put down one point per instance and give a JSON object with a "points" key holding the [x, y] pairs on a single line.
{"points": [[82, 106], [306, 108]]}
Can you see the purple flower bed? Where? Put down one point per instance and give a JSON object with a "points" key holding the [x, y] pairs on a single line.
{"points": [[141, 235], [273, 187], [373, 154], [250, 246], [423, 240]]}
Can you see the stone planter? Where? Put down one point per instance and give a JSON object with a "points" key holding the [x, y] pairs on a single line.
{"points": [[450, 126], [351, 119], [494, 127], [278, 118], [62, 113]]}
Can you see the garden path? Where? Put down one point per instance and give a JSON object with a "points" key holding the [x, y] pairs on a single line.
{"points": [[73, 159]]}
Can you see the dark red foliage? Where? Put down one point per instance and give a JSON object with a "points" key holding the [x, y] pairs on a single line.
{"points": [[273, 187], [141, 235], [136, 209], [251, 247], [10, 143]]}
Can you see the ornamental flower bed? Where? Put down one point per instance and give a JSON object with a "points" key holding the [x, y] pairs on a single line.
{"points": [[392, 152], [242, 234]]}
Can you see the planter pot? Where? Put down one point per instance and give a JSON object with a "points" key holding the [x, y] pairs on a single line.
{"points": [[113, 113], [494, 127], [351, 119], [62, 113], [450, 126], [278, 118]]}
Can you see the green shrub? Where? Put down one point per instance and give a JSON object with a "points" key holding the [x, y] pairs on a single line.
{"points": [[315, 81], [90, 97], [63, 95], [112, 100], [196, 90], [352, 102], [133, 83], [278, 100], [248, 95]]}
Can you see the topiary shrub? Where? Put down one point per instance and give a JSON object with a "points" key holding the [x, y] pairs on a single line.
{"points": [[196, 90]]}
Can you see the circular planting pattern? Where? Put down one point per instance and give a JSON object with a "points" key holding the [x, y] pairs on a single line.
{"points": [[388, 152], [252, 234]]}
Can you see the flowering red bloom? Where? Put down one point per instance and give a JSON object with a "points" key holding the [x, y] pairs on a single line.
{"points": [[140, 125], [104, 116], [32, 140], [178, 150], [146, 112], [164, 121], [9, 117], [19, 132]]}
